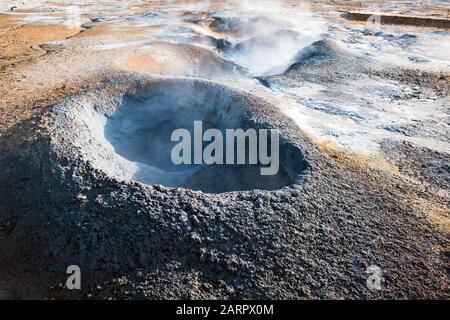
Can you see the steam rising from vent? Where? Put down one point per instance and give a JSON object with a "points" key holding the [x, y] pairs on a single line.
{"points": [[272, 34]]}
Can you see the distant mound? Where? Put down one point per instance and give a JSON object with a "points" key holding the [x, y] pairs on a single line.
{"points": [[323, 60], [320, 52]]}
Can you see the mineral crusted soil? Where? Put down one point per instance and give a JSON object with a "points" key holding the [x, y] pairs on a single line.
{"points": [[367, 106]]}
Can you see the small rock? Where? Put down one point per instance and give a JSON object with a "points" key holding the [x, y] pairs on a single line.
{"points": [[232, 265], [207, 286], [230, 290], [195, 238], [195, 220], [258, 203], [160, 188], [81, 198], [222, 284]]}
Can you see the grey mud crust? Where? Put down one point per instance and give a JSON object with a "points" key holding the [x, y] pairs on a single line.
{"points": [[314, 238]]}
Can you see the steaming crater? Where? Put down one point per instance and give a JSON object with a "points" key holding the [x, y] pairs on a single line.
{"points": [[262, 45], [321, 61], [323, 52], [128, 135], [267, 54]]}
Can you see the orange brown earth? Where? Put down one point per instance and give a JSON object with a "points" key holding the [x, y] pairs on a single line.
{"points": [[364, 115]]}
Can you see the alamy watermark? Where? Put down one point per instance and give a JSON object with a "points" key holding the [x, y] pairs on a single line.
{"points": [[73, 282], [375, 278], [234, 147], [375, 20]]}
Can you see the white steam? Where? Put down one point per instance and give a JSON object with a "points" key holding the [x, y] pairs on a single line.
{"points": [[278, 32]]}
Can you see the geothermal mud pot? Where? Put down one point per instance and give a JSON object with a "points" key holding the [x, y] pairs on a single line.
{"points": [[128, 135], [101, 161]]}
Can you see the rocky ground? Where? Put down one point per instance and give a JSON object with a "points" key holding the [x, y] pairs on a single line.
{"points": [[313, 239]]}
